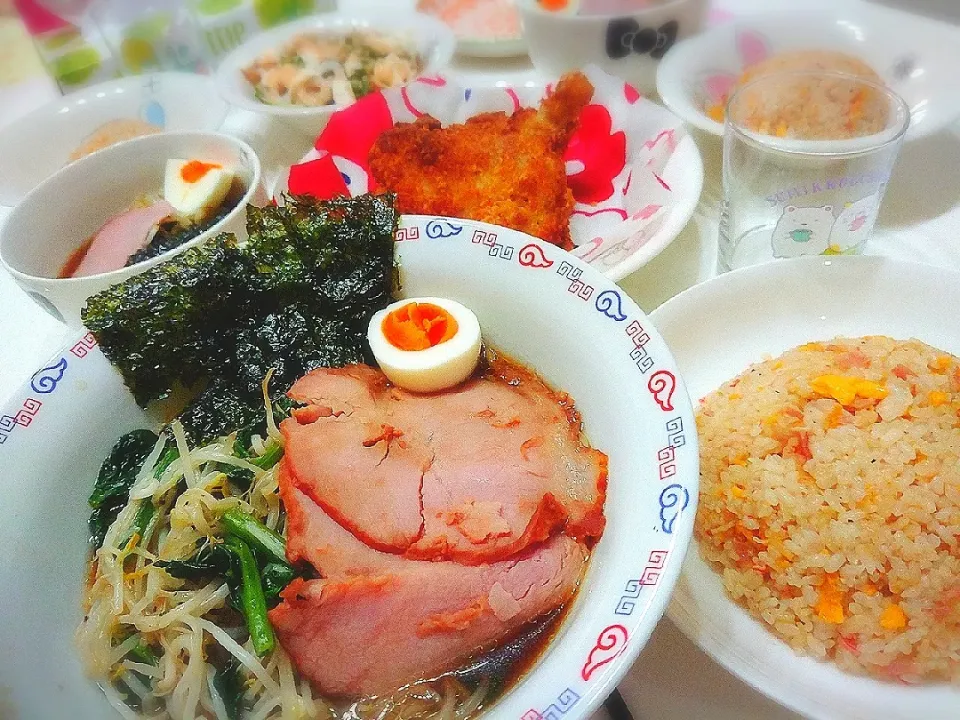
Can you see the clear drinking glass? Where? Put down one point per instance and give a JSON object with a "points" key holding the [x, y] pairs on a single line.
{"points": [[806, 160]]}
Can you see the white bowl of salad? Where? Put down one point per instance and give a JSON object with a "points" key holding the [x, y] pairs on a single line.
{"points": [[309, 68]]}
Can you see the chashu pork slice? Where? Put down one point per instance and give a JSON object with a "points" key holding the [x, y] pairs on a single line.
{"points": [[316, 538], [473, 474], [120, 237], [361, 635]]}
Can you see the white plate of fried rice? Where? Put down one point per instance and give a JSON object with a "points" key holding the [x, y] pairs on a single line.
{"points": [[719, 329]]}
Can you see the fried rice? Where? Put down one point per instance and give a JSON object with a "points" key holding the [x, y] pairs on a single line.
{"points": [[830, 502], [797, 100]]}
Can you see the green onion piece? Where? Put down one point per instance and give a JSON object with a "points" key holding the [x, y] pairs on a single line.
{"points": [[253, 604], [270, 457], [143, 653], [253, 532]]}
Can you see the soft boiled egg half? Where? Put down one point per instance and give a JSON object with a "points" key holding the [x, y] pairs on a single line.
{"points": [[195, 188], [425, 344]]}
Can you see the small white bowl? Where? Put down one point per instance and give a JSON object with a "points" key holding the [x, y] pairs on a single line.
{"points": [[57, 216], [915, 57], [496, 48], [627, 45], [428, 37], [35, 146]]}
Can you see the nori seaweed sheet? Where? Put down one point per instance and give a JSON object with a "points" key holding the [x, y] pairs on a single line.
{"points": [[297, 295]]}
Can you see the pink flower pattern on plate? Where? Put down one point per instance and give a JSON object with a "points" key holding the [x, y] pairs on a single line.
{"points": [[600, 152], [752, 48]]}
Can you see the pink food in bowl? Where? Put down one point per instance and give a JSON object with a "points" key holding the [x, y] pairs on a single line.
{"points": [[477, 19]]}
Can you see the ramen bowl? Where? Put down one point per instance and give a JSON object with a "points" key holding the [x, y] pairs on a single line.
{"points": [[49, 225], [538, 304]]}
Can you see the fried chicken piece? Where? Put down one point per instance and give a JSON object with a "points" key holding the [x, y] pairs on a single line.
{"points": [[500, 169]]}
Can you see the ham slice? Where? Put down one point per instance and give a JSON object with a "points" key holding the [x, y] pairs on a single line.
{"points": [[316, 538], [371, 634], [120, 238], [474, 474]]}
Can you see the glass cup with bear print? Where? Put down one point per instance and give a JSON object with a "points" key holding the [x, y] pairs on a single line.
{"points": [[806, 159]]}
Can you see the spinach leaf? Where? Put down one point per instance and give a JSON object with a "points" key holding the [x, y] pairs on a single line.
{"points": [[117, 475]]}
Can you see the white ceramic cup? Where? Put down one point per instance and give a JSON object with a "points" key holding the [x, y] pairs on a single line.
{"points": [[628, 45], [57, 216]]}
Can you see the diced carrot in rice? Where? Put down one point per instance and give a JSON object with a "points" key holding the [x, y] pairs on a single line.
{"points": [[903, 372], [834, 418], [799, 443], [849, 643], [855, 358], [893, 618], [830, 606], [793, 411]]}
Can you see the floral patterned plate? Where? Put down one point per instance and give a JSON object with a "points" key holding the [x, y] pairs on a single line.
{"points": [[634, 172], [34, 147], [484, 28]]}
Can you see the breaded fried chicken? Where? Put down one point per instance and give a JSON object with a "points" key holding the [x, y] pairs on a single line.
{"points": [[506, 170]]}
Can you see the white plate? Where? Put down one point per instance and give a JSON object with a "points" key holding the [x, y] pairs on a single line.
{"points": [[483, 48], [915, 57], [37, 145], [534, 301], [660, 153], [684, 174], [476, 34], [429, 37], [719, 328]]}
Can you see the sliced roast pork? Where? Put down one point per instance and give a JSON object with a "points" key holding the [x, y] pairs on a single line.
{"points": [[370, 634], [121, 237], [474, 474], [316, 538]]}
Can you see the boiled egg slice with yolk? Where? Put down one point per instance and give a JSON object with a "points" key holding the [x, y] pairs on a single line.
{"points": [[425, 344], [195, 188]]}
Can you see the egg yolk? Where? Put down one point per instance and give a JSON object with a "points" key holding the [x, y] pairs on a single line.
{"points": [[196, 169], [418, 326]]}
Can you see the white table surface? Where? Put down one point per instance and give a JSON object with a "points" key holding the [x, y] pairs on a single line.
{"points": [[920, 220]]}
